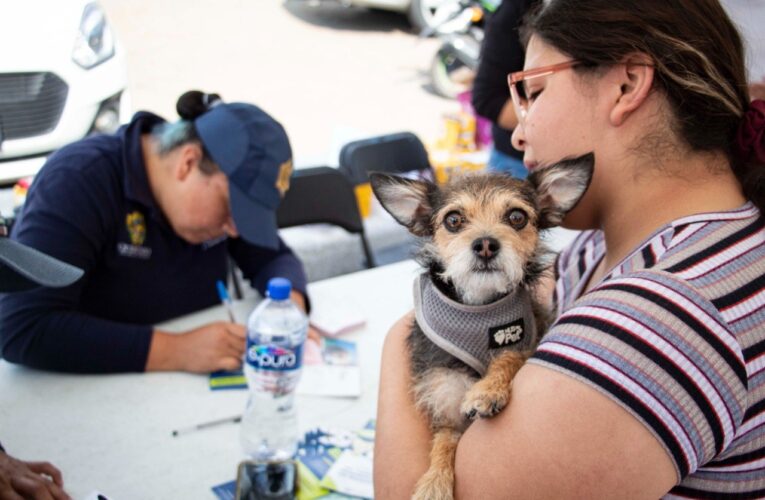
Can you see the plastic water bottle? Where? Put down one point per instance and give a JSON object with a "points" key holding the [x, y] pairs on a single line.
{"points": [[276, 331]]}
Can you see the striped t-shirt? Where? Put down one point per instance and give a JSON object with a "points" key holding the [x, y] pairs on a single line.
{"points": [[676, 335]]}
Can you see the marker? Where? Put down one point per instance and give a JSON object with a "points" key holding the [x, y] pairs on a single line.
{"points": [[207, 425], [226, 300]]}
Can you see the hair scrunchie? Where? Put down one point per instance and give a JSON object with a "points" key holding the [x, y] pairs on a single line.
{"points": [[750, 139]]}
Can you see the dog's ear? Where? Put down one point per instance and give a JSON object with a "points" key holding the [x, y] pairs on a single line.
{"points": [[407, 200], [560, 186]]}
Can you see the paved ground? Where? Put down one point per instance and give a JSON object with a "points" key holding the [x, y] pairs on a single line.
{"points": [[328, 73]]}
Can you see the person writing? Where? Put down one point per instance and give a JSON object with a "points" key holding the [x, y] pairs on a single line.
{"points": [[650, 382], [152, 214]]}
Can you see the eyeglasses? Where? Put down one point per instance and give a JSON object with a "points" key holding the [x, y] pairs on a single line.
{"points": [[519, 91]]}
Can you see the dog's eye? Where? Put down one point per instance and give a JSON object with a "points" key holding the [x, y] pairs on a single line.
{"points": [[517, 219], [453, 221]]}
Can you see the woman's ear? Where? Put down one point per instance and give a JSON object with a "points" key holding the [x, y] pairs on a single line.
{"points": [[189, 157], [635, 78]]}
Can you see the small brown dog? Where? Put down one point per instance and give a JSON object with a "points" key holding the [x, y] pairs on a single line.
{"points": [[477, 320]]}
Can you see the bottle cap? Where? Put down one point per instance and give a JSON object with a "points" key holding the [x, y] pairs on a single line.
{"points": [[279, 288]]}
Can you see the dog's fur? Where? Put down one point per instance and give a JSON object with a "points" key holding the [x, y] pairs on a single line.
{"points": [[491, 248]]}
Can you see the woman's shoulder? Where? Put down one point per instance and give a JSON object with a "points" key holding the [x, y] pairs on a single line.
{"points": [[705, 250], [654, 344], [696, 245]]}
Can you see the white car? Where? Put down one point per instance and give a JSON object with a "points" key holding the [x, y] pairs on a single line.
{"points": [[62, 76]]}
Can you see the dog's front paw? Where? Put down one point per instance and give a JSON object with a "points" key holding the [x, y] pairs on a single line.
{"points": [[485, 399], [435, 485]]}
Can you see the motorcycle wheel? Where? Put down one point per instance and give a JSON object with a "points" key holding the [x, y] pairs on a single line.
{"points": [[449, 75], [430, 14]]}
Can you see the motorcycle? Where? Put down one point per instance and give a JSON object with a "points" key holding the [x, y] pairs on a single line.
{"points": [[435, 16], [453, 67]]}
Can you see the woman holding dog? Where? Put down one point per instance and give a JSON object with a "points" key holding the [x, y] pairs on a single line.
{"points": [[651, 382]]}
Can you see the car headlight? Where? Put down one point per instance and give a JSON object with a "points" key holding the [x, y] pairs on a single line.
{"points": [[95, 42]]}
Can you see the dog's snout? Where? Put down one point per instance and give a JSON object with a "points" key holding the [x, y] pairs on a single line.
{"points": [[486, 248]]}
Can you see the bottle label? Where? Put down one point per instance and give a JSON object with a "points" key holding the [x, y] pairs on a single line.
{"points": [[274, 358]]}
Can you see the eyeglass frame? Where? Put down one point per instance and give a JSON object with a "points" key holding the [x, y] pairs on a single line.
{"points": [[520, 76]]}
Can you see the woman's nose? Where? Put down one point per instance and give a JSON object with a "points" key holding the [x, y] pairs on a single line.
{"points": [[518, 139]]}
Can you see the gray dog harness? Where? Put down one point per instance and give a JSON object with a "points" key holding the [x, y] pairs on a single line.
{"points": [[474, 334]]}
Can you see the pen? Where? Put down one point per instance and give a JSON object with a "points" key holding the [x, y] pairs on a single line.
{"points": [[226, 300], [207, 425]]}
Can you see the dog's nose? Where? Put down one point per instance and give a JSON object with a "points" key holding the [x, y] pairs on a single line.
{"points": [[486, 248]]}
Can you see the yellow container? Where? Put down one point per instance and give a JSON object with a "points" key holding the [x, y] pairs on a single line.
{"points": [[452, 128], [466, 140], [454, 166], [364, 199]]}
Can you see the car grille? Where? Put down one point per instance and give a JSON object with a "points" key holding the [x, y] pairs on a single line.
{"points": [[30, 104]]}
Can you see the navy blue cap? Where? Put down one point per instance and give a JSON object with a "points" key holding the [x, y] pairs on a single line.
{"points": [[253, 150]]}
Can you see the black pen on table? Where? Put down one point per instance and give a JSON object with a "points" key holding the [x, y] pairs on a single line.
{"points": [[207, 425], [226, 300]]}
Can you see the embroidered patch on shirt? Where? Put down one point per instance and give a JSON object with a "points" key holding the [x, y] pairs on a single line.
{"points": [[135, 223], [136, 227]]}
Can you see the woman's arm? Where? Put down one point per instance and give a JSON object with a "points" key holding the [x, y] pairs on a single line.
{"points": [[402, 436], [558, 438], [65, 217]]}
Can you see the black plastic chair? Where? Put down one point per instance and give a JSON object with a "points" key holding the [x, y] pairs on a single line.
{"points": [[323, 195], [398, 153]]}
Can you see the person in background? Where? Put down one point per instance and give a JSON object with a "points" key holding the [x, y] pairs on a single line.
{"points": [[152, 214], [23, 268], [501, 54], [650, 382]]}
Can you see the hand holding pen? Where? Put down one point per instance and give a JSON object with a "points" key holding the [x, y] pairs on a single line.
{"points": [[204, 349], [225, 299]]}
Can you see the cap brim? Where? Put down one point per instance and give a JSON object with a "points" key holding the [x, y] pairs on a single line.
{"points": [[23, 268], [254, 222]]}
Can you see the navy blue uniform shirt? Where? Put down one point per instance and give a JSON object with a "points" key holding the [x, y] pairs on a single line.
{"points": [[91, 206]]}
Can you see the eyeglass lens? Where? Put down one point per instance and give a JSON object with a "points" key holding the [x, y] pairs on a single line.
{"points": [[520, 87]]}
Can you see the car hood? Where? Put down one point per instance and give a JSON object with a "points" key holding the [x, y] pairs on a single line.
{"points": [[38, 35]]}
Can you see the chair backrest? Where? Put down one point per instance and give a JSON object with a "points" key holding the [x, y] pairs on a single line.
{"points": [[322, 195], [397, 153]]}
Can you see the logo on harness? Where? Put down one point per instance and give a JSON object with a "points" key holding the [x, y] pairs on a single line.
{"points": [[506, 335]]}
